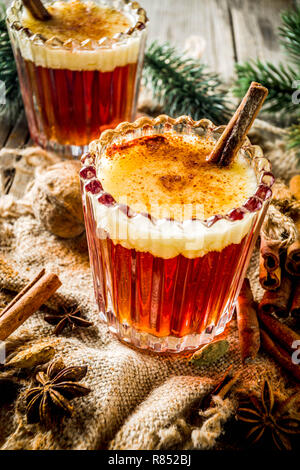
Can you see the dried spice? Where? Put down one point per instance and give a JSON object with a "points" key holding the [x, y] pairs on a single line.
{"points": [[269, 416], [222, 388], [70, 318], [9, 389], [27, 302], [56, 387], [248, 327], [210, 353], [31, 357]]}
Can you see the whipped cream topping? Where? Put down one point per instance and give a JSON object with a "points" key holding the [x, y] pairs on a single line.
{"points": [[169, 238]]}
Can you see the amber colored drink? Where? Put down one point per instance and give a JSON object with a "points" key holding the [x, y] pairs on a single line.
{"points": [[168, 281], [79, 72], [98, 100]]}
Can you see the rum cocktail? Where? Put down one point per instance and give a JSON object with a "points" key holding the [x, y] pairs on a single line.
{"points": [[170, 235], [79, 71]]}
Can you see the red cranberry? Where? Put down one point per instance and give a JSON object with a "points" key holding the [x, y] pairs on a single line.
{"points": [[126, 210], [140, 26], [147, 215], [94, 187], [236, 214], [106, 199], [263, 192], [253, 204], [87, 158], [212, 220], [267, 178], [88, 172]]}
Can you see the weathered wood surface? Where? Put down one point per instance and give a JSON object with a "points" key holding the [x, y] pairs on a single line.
{"points": [[234, 30]]}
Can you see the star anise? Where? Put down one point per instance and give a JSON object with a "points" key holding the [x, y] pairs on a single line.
{"points": [[72, 318], [270, 416], [56, 387]]}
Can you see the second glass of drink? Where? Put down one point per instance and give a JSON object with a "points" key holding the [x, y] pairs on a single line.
{"points": [[79, 71]]}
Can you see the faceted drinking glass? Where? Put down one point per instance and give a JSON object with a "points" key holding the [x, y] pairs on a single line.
{"points": [[161, 295], [73, 90]]}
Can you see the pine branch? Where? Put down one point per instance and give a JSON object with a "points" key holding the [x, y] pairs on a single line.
{"points": [[183, 86], [290, 34], [8, 71], [278, 79], [294, 137]]}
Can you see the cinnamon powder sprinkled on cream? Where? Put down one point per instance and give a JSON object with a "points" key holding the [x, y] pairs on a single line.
{"points": [[162, 174], [78, 20]]}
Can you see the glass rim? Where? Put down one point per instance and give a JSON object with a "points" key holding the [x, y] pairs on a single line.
{"points": [[262, 167], [14, 23]]}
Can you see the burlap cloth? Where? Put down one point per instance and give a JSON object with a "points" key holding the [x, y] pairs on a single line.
{"points": [[138, 400]]}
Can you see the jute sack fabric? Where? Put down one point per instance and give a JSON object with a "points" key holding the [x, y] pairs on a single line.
{"points": [[138, 400]]}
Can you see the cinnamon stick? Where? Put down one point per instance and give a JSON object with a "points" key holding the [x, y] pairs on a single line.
{"points": [[28, 303], [23, 291], [269, 280], [37, 9], [270, 253], [292, 263], [295, 308], [280, 355], [228, 385], [277, 301], [238, 127], [281, 332], [293, 253], [269, 264], [248, 326]]}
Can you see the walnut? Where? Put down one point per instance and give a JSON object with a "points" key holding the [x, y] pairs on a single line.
{"points": [[56, 199]]}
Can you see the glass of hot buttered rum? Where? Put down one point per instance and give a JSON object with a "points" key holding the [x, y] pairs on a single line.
{"points": [[170, 235], [79, 71]]}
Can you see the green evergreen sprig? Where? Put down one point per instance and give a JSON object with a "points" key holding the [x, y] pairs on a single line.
{"points": [[294, 138], [281, 80], [290, 34], [8, 72], [278, 79], [183, 86]]}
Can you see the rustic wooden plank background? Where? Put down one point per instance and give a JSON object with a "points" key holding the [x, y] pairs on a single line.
{"points": [[234, 30]]}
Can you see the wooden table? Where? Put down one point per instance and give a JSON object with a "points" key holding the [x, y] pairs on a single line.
{"points": [[234, 30]]}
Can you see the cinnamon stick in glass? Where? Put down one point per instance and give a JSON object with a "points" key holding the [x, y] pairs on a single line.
{"points": [[278, 302], [238, 127], [37, 9], [27, 304], [247, 321]]}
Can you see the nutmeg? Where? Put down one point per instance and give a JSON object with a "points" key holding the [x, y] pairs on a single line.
{"points": [[56, 199]]}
